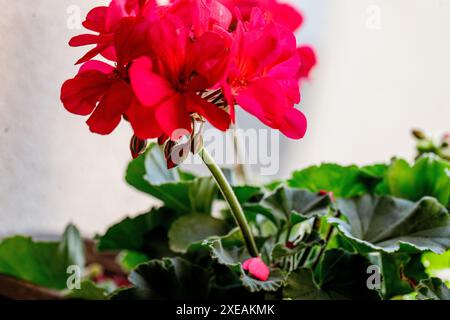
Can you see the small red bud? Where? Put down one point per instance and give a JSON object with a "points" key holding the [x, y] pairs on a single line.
{"points": [[137, 146], [330, 194], [290, 245], [257, 268], [418, 134]]}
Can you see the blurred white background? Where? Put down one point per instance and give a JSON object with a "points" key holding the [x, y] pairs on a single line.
{"points": [[383, 68]]}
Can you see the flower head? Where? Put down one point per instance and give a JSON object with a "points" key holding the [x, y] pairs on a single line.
{"points": [[262, 75], [98, 90], [105, 21], [167, 82], [189, 61]]}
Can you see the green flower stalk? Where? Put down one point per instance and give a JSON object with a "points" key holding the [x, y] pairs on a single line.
{"points": [[231, 200]]}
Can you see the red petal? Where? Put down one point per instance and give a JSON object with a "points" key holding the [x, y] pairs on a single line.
{"points": [[263, 98], [150, 88], [173, 117], [95, 19], [308, 60], [172, 37], [294, 124], [109, 111], [84, 40], [287, 69], [94, 52], [143, 121], [292, 89], [81, 94], [130, 39], [116, 11], [287, 16], [216, 116], [220, 14], [98, 66], [208, 56]]}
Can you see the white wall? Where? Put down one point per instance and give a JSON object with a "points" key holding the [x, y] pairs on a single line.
{"points": [[373, 85], [52, 169], [370, 88]]}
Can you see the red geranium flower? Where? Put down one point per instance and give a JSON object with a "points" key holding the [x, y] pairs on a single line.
{"points": [[263, 74], [167, 82], [98, 89], [105, 21], [176, 64]]}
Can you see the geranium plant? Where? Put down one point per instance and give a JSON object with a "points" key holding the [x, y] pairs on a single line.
{"points": [[328, 232], [178, 65]]}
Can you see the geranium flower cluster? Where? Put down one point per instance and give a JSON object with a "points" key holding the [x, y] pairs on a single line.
{"points": [[190, 60]]}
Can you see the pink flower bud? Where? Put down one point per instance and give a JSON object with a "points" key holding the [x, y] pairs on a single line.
{"points": [[257, 268]]}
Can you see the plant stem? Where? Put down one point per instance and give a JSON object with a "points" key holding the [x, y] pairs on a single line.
{"points": [[327, 239], [304, 257], [232, 201], [240, 167]]}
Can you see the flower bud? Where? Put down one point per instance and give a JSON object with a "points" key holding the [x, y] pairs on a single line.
{"points": [[418, 134], [137, 146]]}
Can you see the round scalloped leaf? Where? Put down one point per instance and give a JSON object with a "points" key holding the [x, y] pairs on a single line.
{"points": [[194, 228], [42, 263], [275, 281], [284, 201], [167, 279], [341, 275], [428, 176], [179, 191], [342, 181], [145, 233], [394, 225], [230, 251]]}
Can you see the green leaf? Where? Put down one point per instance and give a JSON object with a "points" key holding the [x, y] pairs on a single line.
{"points": [[88, 291], [429, 176], [177, 189], [280, 251], [229, 250], [247, 194], [167, 279], [129, 260], [432, 289], [375, 171], [437, 265], [394, 225], [342, 181], [301, 286], [275, 281], [146, 233], [341, 276], [284, 201], [373, 175], [346, 274], [400, 272], [42, 263], [194, 228], [272, 186], [202, 193]]}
